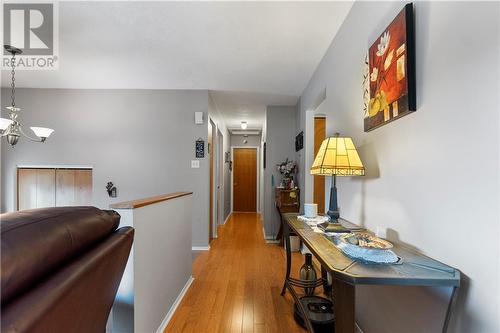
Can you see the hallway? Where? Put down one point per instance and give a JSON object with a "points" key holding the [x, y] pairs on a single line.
{"points": [[237, 284]]}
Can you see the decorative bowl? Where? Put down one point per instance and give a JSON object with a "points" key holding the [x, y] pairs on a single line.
{"points": [[365, 241]]}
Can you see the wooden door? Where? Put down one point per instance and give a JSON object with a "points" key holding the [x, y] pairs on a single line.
{"points": [[319, 181], [245, 180], [211, 156], [35, 188], [73, 187]]}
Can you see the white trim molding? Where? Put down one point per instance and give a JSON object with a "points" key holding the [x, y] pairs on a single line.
{"points": [[200, 248], [227, 218], [53, 166], [174, 306], [269, 239]]}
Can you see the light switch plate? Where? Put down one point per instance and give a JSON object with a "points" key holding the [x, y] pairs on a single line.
{"points": [[195, 164], [198, 118]]}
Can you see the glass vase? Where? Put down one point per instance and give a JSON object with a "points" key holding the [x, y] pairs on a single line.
{"points": [[308, 273]]}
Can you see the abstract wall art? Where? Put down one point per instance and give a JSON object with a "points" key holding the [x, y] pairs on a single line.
{"points": [[391, 75]]}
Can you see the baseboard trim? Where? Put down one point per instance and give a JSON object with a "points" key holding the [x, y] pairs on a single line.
{"points": [[269, 239], [227, 218], [174, 306], [200, 248], [358, 329]]}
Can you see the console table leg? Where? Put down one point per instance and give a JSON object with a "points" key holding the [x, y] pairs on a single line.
{"points": [[344, 306], [327, 288], [279, 236], [286, 233], [451, 304]]}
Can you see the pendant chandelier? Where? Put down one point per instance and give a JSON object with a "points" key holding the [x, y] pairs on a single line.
{"points": [[11, 128]]}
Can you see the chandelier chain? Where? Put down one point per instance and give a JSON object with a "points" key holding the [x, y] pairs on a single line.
{"points": [[13, 129], [13, 83]]}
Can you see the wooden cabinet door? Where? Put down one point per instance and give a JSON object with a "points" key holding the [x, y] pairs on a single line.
{"points": [[38, 188], [26, 189], [83, 187], [73, 187], [245, 180], [45, 188], [65, 187], [35, 188]]}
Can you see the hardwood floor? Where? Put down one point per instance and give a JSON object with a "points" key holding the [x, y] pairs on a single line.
{"points": [[237, 284]]}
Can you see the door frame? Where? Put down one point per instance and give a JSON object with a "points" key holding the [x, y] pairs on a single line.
{"points": [[220, 177], [212, 179], [257, 183], [309, 151]]}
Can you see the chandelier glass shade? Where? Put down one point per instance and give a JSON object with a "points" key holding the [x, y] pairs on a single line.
{"points": [[11, 127]]}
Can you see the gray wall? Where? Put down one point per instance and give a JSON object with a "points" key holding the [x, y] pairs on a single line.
{"points": [[142, 140], [237, 140], [280, 145], [432, 176]]}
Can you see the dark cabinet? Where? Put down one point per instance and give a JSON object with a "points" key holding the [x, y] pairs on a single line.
{"points": [[286, 201]]}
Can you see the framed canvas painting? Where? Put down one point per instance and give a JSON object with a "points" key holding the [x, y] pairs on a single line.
{"points": [[299, 141], [391, 63]]}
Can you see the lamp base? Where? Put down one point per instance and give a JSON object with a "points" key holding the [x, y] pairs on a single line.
{"points": [[333, 209], [334, 216]]}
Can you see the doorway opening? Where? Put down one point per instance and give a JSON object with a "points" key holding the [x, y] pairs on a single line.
{"points": [[211, 152], [244, 179], [319, 181], [315, 133]]}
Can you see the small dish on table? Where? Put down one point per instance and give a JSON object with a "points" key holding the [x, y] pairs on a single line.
{"points": [[364, 240]]}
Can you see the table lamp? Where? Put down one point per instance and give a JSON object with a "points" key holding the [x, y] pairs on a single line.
{"points": [[337, 156]]}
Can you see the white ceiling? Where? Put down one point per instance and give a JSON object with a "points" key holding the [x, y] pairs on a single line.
{"points": [[236, 107], [250, 53]]}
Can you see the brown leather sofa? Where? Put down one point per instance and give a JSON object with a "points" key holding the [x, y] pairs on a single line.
{"points": [[61, 268]]}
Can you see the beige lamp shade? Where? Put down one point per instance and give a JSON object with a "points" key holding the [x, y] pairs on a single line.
{"points": [[337, 156]]}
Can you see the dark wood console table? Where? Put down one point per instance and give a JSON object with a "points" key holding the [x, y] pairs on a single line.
{"points": [[414, 270], [286, 201]]}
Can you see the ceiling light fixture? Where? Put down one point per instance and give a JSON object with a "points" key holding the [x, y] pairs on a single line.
{"points": [[244, 125], [11, 128]]}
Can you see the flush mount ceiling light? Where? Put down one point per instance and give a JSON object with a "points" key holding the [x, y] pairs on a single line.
{"points": [[11, 128], [244, 125]]}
